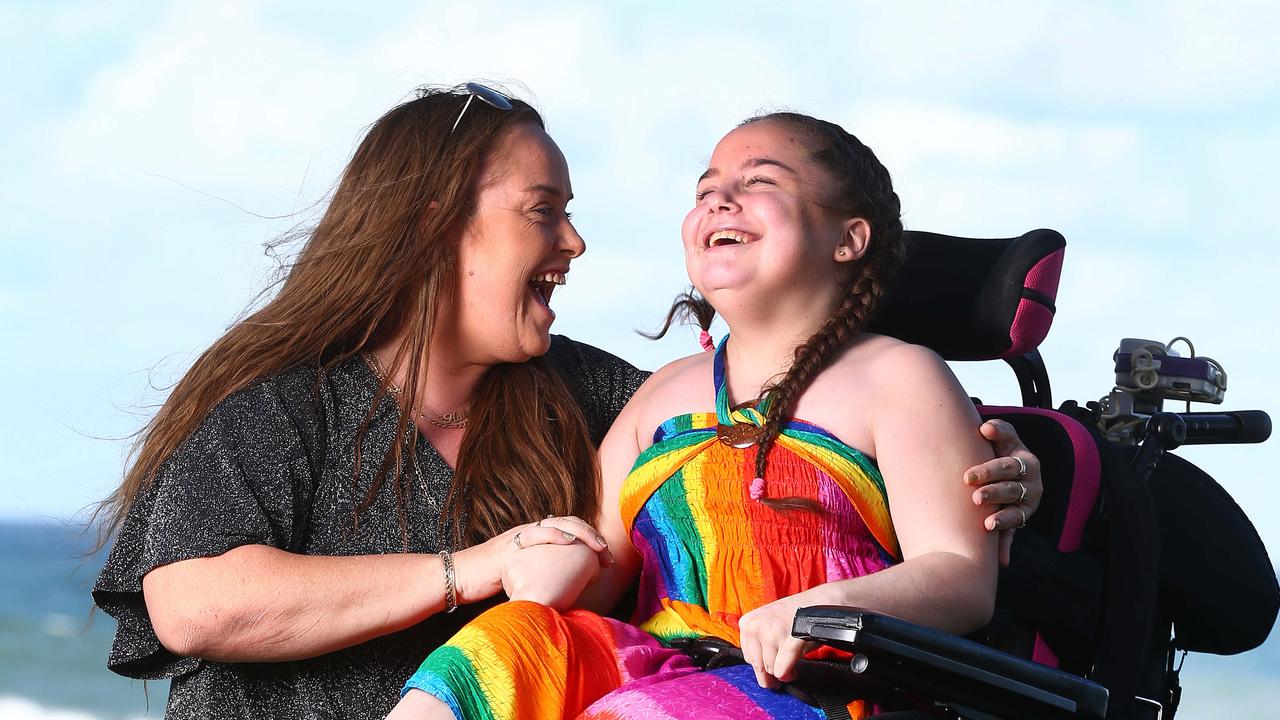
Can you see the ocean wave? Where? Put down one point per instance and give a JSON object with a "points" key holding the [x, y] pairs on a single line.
{"points": [[20, 708]]}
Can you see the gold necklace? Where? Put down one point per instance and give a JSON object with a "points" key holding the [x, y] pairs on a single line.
{"points": [[456, 420]]}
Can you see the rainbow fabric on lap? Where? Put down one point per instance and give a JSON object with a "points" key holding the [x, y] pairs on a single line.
{"points": [[710, 554]]}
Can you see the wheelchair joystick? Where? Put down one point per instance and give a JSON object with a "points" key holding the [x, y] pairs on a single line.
{"points": [[1162, 431]]}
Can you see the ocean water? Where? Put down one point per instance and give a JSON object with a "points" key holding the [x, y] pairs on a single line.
{"points": [[53, 653]]}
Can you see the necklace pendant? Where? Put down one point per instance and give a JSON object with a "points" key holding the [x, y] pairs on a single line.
{"points": [[739, 435], [448, 421]]}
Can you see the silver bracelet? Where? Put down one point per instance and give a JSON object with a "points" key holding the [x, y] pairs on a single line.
{"points": [[450, 582]]}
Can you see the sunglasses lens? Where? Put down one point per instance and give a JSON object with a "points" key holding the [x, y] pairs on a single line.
{"points": [[489, 96]]}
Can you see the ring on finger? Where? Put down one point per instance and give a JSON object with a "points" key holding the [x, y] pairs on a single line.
{"points": [[1022, 467], [517, 542], [1021, 496], [1023, 513]]}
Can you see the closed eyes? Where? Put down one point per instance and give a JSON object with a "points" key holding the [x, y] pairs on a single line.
{"points": [[753, 180]]}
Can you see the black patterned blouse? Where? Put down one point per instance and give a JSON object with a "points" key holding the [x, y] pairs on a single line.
{"points": [[273, 465]]}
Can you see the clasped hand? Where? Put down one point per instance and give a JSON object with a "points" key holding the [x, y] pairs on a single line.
{"points": [[549, 561], [554, 572]]}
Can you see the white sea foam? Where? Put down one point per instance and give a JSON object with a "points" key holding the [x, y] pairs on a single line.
{"points": [[19, 708], [58, 625]]}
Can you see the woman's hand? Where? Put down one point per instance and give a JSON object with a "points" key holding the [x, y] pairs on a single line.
{"points": [[767, 644], [480, 569], [1014, 486], [553, 575]]}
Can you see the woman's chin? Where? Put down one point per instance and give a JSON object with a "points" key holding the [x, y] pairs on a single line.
{"points": [[534, 344]]}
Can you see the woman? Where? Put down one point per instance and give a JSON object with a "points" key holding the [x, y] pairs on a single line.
{"points": [[366, 451]]}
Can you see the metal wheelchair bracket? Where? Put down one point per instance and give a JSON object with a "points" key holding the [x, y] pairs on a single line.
{"points": [[1153, 703], [1033, 379]]}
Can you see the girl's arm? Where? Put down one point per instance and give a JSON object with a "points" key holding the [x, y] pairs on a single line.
{"points": [[618, 454], [562, 577], [925, 436]]}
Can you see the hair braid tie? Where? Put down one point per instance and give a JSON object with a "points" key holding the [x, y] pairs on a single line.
{"points": [[706, 341]]}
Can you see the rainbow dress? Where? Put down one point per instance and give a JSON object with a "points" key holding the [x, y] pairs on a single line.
{"points": [[710, 554]]}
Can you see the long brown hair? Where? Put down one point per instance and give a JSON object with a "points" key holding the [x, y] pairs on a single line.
{"points": [[863, 188], [380, 261]]}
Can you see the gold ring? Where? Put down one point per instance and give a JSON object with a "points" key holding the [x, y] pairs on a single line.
{"points": [[1022, 466], [1023, 513], [1023, 495]]}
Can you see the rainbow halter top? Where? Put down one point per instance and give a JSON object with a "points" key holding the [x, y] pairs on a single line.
{"points": [[712, 552]]}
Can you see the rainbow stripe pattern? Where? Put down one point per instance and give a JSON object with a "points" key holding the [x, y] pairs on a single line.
{"points": [[710, 554]]}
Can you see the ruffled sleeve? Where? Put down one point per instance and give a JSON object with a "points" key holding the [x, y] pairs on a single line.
{"points": [[243, 477]]}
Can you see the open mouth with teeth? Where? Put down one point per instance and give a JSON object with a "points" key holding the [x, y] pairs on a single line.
{"points": [[543, 284], [721, 238]]}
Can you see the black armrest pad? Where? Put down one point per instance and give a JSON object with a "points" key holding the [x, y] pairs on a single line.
{"points": [[950, 669]]}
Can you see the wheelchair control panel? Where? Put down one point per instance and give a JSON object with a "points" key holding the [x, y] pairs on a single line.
{"points": [[1147, 373]]}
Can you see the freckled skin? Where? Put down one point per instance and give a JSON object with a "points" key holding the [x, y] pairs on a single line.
{"points": [[520, 228]]}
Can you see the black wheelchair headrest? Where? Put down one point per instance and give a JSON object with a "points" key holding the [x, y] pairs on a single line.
{"points": [[974, 299]]}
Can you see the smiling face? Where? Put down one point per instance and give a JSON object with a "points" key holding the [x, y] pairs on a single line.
{"points": [[761, 223], [513, 253]]}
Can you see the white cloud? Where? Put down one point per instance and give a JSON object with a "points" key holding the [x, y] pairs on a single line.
{"points": [[1074, 57]]}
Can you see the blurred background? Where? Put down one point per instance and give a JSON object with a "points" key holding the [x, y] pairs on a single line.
{"points": [[152, 148]]}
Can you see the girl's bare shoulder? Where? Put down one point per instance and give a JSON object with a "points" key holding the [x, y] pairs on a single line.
{"points": [[874, 360], [867, 379], [679, 387]]}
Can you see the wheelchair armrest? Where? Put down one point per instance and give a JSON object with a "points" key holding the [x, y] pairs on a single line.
{"points": [[947, 669]]}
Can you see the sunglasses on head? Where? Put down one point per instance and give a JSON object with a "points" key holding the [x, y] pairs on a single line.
{"points": [[487, 95]]}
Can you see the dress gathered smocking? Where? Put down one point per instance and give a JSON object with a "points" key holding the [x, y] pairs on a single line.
{"points": [[710, 553]]}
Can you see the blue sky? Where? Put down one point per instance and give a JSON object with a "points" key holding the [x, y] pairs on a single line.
{"points": [[152, 148]]}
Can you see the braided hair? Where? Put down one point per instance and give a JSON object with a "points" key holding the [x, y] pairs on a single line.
{"points": [[863, 189]]}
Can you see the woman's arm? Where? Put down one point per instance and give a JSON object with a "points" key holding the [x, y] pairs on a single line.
{"points": [[924, 431], [257, 603]]}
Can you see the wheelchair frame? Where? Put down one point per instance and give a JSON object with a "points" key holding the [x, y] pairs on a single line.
{"points": [[1009, 279]]}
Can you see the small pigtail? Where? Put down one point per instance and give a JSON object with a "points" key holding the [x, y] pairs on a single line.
{"points": [[688, 307]]}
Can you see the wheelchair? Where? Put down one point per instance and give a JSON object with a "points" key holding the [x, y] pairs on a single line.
{"points": [[1104, 591]]}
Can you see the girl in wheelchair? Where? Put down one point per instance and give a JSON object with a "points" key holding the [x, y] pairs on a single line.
{"points": [[752, 480]]}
